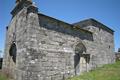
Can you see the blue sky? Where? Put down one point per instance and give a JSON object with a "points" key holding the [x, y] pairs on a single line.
{"points": [[71, 11]]}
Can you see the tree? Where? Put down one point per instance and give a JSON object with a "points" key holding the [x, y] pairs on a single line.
{"points": [[118, 49], [0, 59]]}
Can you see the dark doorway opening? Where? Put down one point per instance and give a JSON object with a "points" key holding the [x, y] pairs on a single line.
{"points": [[79, 49], [76, 63], [13, 52]]}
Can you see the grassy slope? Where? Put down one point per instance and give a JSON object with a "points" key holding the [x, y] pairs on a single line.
{"points": [[107, 72], [2, 77]]}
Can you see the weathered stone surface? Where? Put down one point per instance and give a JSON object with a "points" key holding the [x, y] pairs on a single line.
{"points": [[103, 43], [49, 49]]}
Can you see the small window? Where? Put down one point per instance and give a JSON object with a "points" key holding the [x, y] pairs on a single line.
{"points": [[99, 29], [109, 46]]}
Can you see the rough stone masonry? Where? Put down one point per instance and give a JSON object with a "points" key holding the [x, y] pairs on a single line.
{"points": [[39, 47]]}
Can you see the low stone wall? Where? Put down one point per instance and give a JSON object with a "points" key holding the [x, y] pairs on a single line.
{"points": [[117, 55]]}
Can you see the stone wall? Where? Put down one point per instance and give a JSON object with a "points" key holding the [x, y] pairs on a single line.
{"points": [[117, 56], [102, 47], [16, 33], [39, 47], [45, 47]]}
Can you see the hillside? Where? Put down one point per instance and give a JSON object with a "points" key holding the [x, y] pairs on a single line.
{"points": [[107, 72]]}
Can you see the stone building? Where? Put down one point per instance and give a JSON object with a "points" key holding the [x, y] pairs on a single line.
{"points": [[39, 47], [117, 55]]}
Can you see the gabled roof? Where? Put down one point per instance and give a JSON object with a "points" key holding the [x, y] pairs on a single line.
{"points": [[93, 22]]}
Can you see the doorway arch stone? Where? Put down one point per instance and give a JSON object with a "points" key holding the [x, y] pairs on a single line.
{"points": [[80, 49]]}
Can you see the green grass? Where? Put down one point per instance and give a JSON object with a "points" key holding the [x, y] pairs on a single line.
{"points": [[2, 77], [107, 72]]}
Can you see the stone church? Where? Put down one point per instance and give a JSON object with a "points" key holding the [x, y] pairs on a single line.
{"points": [[39, 47]]}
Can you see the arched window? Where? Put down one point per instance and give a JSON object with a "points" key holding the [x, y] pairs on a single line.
{"points": [[13, 51], [80, 48]]}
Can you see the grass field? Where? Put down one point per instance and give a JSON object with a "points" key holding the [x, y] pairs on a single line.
{"points": [[2, 77], [107, 72]]}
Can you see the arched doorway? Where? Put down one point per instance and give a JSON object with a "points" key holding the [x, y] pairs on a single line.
{"points": [[13, 52], [77, 63], [79, 58]]}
